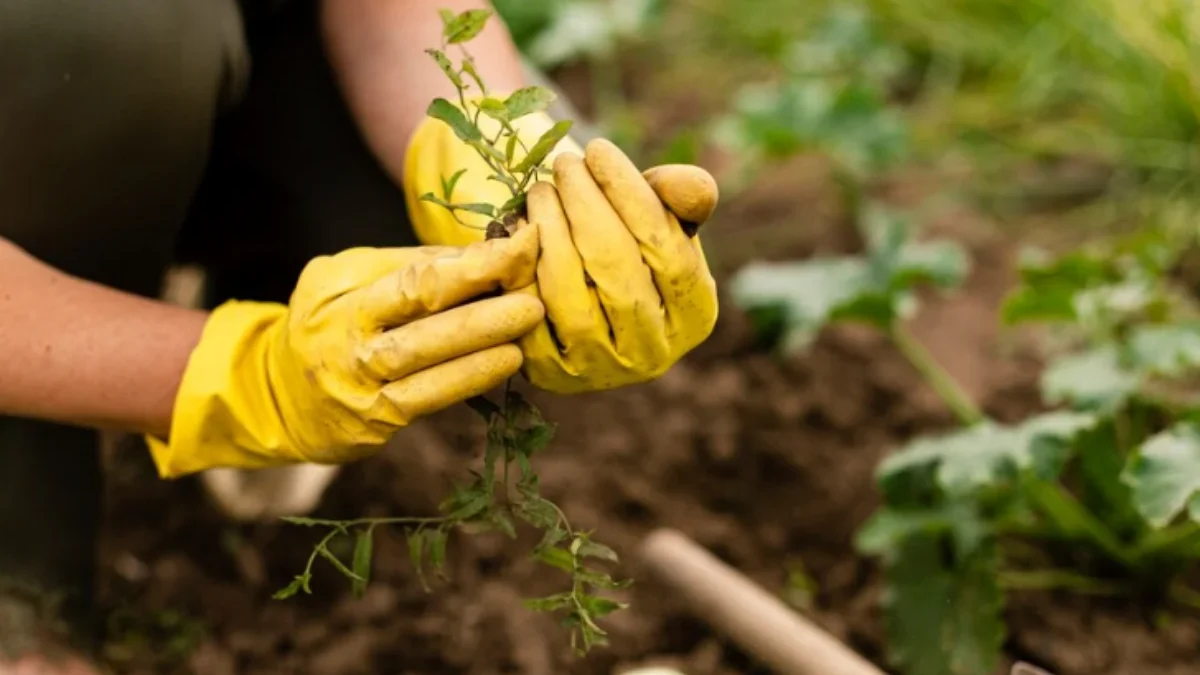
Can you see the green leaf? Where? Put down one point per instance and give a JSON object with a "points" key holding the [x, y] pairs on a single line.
{"points": [[1091, 380], [1049, 286], [302, 521], [299, 583], [363, 546], [528, 100], [592, 549], [447, 67], [1166, 350], [449, 113], [556, 557], [464, 27], [481, 209], [449, 185], [601, 580], [534, 440], [468, 66], [550, 603], [540, 150], [495, 109], [504, 523], [1164, 475], [512, 205], [416, 546], [988, 454], [943, 618], [478, 502], [888, 528], [538, 512], [552, 537], [597, 606], [509, 148], [435, 541]]}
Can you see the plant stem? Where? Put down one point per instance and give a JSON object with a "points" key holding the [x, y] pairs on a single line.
{"points": [[942, 382], [1045, 580]]}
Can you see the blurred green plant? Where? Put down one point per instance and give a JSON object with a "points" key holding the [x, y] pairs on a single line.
{"points": [[1106, 484], [833, 98]]}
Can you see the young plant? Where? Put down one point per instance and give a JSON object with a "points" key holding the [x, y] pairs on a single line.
{"points": [[505, 490], [1106, 487]]}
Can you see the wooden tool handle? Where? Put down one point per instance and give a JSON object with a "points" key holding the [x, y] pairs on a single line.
{"points": [[760, 623]]}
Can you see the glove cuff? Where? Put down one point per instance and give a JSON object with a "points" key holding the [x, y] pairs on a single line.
{"points": [[225, 412], [435, 153]]}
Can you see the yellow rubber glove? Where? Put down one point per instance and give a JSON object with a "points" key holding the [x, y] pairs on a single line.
{"points": [[627, 292], [371, 340]]}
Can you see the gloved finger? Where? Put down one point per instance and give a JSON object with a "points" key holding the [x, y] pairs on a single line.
{"points": [[572, 307], [664, 245], [439, 283], [445, 384], [688, 191], [613, 260], [456, 332]]}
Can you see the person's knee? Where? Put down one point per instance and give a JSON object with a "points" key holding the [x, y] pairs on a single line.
{"points": [[105, 125]]}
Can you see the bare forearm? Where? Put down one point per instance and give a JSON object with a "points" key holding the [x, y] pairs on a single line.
{"points": [[76, 352], [377, 48]]}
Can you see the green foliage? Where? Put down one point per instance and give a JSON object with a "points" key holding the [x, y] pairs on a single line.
{"points": [[876, 288], [832, 99], [505, 491], [511, 161], [555, 32], [1165, 475]]}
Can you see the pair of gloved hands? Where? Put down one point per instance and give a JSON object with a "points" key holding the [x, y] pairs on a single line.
{"points": [[601, 287]]}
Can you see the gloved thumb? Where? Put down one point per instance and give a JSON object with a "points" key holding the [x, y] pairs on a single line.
{"points": [[688, 191]]}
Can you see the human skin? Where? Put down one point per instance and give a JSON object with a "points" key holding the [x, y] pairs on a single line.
{"points": [[78, 352]]}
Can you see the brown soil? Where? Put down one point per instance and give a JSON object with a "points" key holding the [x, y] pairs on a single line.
{"points": [[768, 463]]}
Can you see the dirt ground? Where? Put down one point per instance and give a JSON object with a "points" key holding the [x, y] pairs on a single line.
{"points": [[766, 462]]}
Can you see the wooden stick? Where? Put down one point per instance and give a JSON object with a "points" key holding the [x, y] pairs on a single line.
{"points": [[760, 623]]}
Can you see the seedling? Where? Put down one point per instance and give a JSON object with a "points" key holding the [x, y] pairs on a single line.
{"points": [[505, 490]]}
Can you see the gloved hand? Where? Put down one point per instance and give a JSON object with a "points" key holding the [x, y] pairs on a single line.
{"points": [[371, 340], [627, 291]]}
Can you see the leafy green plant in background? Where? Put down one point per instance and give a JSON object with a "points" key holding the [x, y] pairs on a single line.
{"points": [[505, 490], [833, 98], [1105, 483]]}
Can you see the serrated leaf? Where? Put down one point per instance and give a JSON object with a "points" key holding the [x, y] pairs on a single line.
{"points": [[464, 27], [532, 441], [473, 507], [299, 583], [544, 146], [556, 557], [592, 549], [988, 453], [550, 603], [538, 512], [1164, 474], [449, 113], [942, 619], [447, 67], [528, 100], [363, 547], [1092, 380]]}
